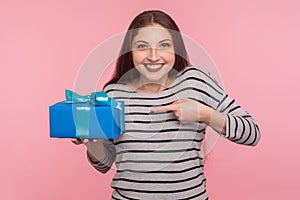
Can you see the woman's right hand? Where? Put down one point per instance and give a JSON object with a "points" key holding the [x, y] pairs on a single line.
{"points": [[76, 141], [95, 148]]}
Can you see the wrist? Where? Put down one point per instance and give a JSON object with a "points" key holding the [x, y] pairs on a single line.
{"points": [[92, 158], [205, 113]]}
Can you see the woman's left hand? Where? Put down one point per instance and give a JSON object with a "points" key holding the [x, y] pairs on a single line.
{"points": [[186, 110]]}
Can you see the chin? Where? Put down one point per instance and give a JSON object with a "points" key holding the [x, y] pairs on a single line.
{"points": [[154, 77], [156, 80]]}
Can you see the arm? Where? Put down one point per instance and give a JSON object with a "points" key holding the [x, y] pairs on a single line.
{"points": [[213, 118], [240, 126], [232, 122], [229, 119], [226, 116], [101, 154], [209, 103]]}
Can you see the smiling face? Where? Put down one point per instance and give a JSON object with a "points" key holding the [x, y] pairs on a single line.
{"points": [[153, 54]]}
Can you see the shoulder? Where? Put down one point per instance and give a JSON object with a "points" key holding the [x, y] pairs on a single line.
{"points": [[117, 90], [115, 87], [199, 75], [196, 72]]}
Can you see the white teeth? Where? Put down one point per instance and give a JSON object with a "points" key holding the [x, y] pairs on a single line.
{"points": [[154, 66]]}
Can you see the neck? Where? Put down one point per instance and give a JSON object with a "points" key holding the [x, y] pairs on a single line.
{"points": [[152, 87]]}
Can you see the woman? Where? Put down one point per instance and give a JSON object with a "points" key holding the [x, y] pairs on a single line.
{"points": [[168, 105]]}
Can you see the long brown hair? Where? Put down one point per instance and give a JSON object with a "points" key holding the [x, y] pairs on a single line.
{"points": [[125, 70]]}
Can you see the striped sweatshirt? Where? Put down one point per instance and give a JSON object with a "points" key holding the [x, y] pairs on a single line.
{"points": [[159, 157]]}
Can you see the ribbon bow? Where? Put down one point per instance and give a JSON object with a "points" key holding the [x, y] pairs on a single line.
{"points": [[82, 117], [96, 98]]}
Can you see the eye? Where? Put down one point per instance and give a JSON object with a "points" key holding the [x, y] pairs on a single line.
{"points": [[141, 46], [165, 44]]}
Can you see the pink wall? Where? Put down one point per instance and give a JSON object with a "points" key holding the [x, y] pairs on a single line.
{"points": [[43, 43]]}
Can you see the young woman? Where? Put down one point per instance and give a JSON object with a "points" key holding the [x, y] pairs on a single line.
{"points": [[168, 105]]}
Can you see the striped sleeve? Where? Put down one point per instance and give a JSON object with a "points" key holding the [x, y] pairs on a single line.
{"points": [[240, 125], [105, 164]]}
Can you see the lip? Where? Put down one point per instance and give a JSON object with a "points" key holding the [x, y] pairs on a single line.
{"points": [[153, 70]]}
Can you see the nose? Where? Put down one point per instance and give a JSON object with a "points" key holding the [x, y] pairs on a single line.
{"points": [[153, 55]]}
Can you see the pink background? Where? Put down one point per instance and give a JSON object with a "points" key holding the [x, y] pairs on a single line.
{"points": [[255, 45]]}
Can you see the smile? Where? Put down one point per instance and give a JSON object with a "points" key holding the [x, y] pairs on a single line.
{"points": [[153, 67]]}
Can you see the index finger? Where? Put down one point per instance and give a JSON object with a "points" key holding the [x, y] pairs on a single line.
{"points": [[170, 107]]}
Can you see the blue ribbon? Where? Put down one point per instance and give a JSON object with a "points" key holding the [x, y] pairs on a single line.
{"points": [[82, 117]]}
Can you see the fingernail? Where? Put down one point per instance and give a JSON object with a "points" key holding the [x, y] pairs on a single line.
{"points": [[85, 140]]}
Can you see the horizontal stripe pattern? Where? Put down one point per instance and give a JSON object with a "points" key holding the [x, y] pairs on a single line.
{"points": [[241, 127], [158, 157], [105, 164]]}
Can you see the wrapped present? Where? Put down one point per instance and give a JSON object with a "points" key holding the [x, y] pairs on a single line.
{"points": [[91, 116]]}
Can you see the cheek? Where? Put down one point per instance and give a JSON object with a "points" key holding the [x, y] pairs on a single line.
{"points": [[137, 58], [168, 55], [170, 58]]}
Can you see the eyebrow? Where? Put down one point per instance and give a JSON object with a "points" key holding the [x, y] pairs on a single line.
{"points": [[148, 43]]}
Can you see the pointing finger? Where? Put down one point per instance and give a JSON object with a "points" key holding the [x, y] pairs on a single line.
{"points": [[171, 107]]}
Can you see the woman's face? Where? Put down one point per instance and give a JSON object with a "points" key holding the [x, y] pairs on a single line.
{"points": [[153, 53]]}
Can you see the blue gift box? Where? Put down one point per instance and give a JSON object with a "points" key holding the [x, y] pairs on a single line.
{"points": [[75, 119]]}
